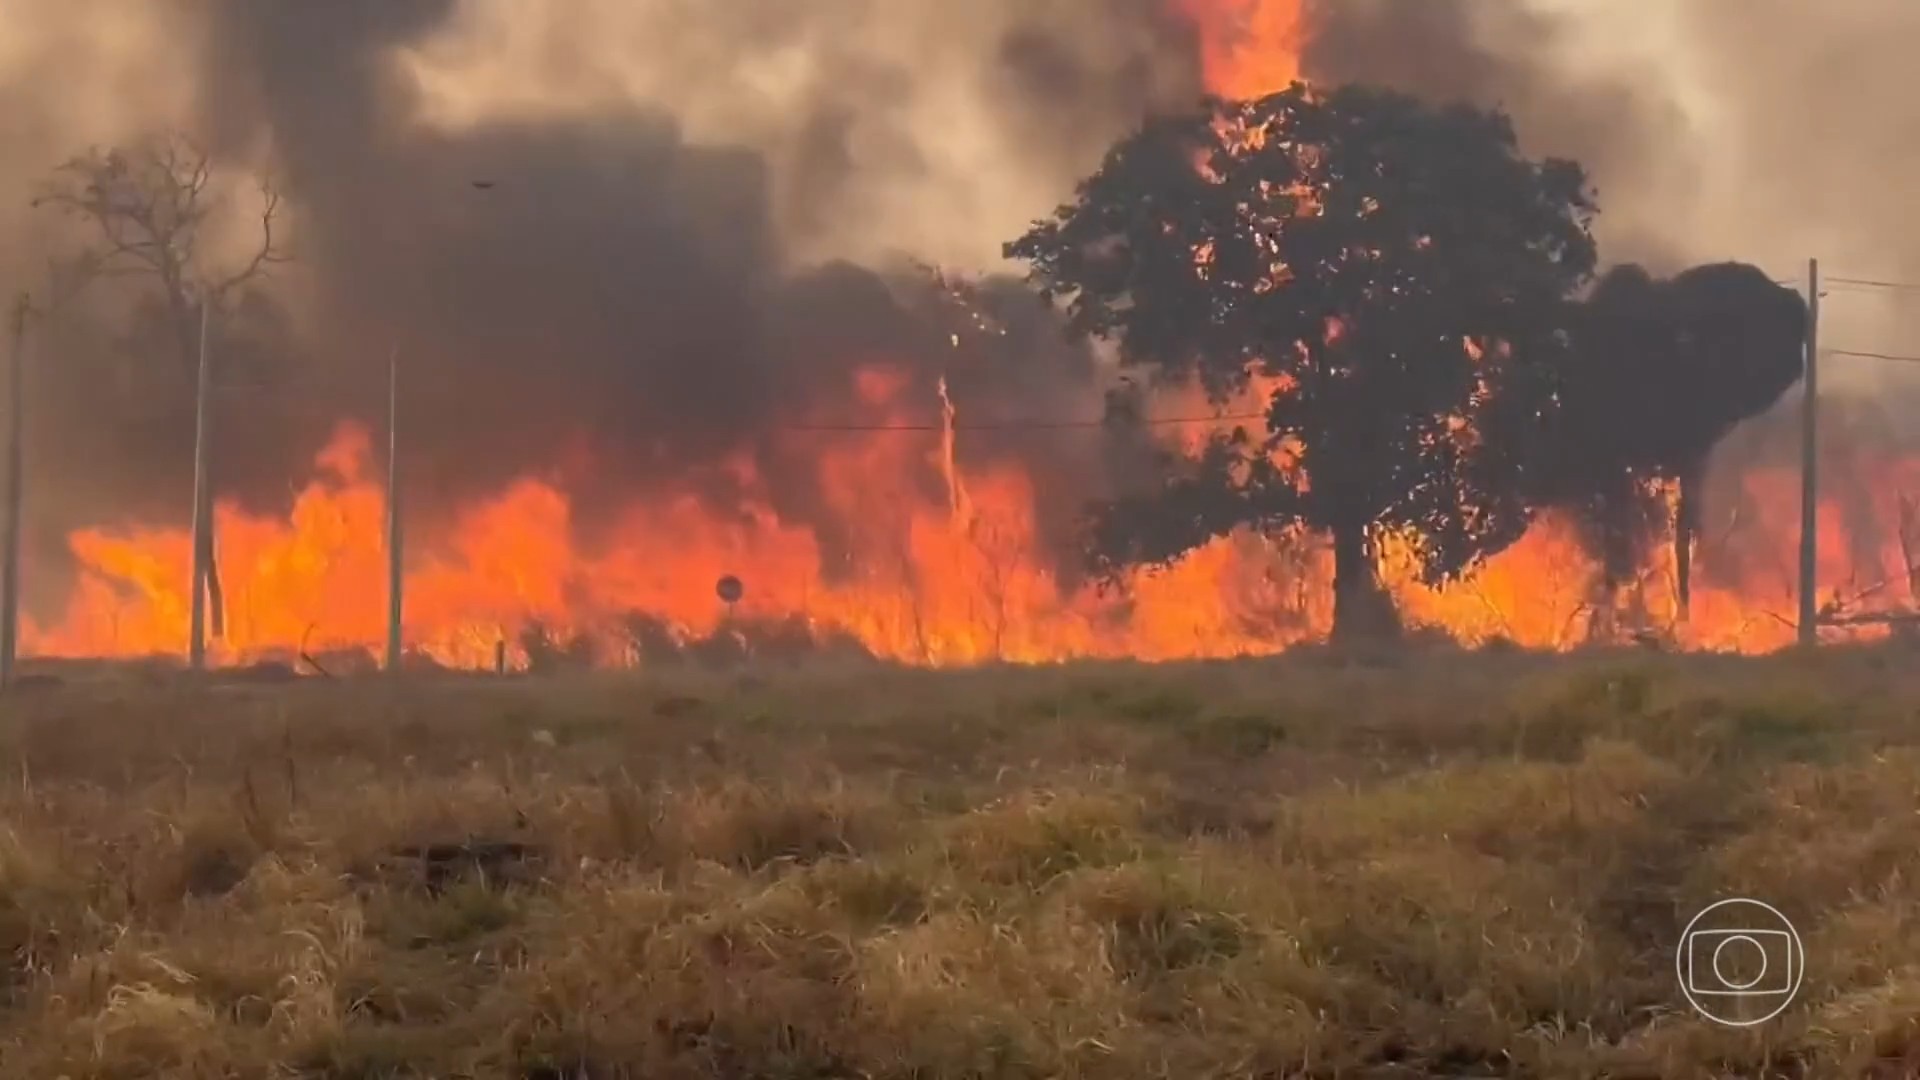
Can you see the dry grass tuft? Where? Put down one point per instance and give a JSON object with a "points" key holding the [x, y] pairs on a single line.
{"points": [[1318, 867]]}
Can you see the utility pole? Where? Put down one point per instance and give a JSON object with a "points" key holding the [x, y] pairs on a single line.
{"points": [[394, 560], [10, 567], [202, 502], [1809, 465]]}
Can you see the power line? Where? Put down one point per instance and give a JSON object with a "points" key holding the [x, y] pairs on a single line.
{"points": [[1884, 296], [1872, 355], [1872, 283]]}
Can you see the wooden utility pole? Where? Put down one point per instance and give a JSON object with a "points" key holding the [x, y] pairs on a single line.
{"points": [[395, 602], [202, 502], [10, 558], [1809, 465]]}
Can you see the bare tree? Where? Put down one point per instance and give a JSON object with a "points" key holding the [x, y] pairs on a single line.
{"points": [[149, 206]]}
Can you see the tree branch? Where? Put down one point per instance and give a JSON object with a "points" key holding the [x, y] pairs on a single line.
{"points": [[147, 206], [268, 253]]}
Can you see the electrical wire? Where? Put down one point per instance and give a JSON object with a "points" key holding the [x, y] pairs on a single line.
{"points": [[1871, 355], [1875, 284]]}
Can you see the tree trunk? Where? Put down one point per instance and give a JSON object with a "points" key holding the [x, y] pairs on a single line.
{"points": [[1603, 621], [1686, 527], [1614, 512], [1362, 611], [216, 597]]}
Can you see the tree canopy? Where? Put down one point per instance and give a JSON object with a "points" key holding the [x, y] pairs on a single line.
{"points": [[1401, 274], [1660, 372]]}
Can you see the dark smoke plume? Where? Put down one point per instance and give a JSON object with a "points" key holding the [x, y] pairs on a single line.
{"points": [[618, 284], [595, 295]]}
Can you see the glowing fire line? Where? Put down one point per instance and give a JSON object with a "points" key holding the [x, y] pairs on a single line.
{"points": [[956, 581]]}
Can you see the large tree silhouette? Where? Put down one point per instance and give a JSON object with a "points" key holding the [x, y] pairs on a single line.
{"points": [[1402, 270], [1661, 371]]}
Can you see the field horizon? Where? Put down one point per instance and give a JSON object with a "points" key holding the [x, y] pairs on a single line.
{"points": [[1425, 864]]}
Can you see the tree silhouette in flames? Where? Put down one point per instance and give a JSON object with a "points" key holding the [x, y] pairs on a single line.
{"points": [[1401, 271], [1417, 298]]}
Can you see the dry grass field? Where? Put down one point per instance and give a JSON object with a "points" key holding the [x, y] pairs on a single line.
{"points": [[1456, 865]]}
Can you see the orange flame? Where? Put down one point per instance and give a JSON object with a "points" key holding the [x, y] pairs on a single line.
{"points": [[960, 579], [1248, 48], [932, 577]]}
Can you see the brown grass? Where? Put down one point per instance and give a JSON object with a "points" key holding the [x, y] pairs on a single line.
{"points": [[1452, 866]]}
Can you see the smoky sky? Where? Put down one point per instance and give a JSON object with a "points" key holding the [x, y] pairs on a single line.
{"points": [[1767, 132], [699, 209], [595, 296], [615, 287], [1622, 127]]}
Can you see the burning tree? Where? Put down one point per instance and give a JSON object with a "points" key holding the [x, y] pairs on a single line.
{"points": [[153, 207], [1661, 371], [1400, 275]]}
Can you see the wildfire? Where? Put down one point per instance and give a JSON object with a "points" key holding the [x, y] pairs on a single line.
{"points": [[938, 562], [953, 576], [953, 580], [1248, 48]]}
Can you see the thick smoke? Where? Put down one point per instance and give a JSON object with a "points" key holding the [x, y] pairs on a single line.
{"points": [[1766, 132], [1620, 123], [621, 287]]}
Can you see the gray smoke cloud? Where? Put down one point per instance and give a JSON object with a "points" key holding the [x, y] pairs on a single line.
{"points": [[1766, 132], [674, 257]]}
